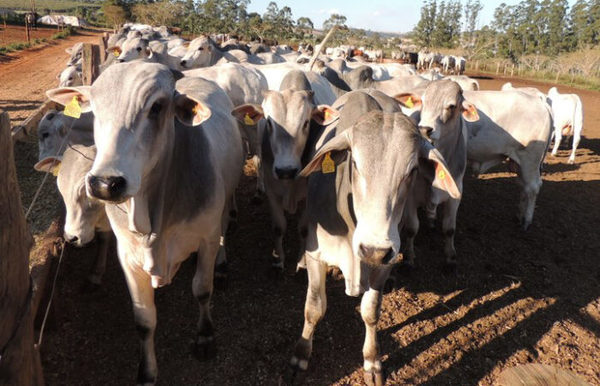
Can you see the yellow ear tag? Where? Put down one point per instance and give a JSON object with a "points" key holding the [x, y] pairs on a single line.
{"points": [[409, 103], [327, 166], [441, 174], [56, 169], [72, 109], [247, 120], [116, 53], [326, 115]]}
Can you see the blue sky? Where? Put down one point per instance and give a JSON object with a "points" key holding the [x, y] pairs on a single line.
{"points": [[377, 15]]}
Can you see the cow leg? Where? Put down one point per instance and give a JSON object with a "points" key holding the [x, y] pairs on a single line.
{"points": [[220, 277], [279, 228], [314, 309], [303, 230], [411, 227], [576, 139], [260, 181], [431, 213], [532, 182], [144, 312], [450, 209], [94, 279], [370, 307], [202, 287], [557, 139]]}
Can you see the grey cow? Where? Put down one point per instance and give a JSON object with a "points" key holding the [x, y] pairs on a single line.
{"points": [[287, 122], [512, 125], [85, 217], [168, 161], [358, 185], [56, 131]]}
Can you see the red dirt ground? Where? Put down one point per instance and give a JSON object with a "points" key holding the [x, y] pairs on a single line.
{"points": [[517, 297], [16, 34]]}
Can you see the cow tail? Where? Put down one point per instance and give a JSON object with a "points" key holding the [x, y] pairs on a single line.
{"points": [[550, 132], [578, 118]]}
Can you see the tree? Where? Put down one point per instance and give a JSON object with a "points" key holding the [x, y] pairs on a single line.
{"points": [[426, 24], [163, 12], [472, 10], [114, 13], [335, 19], [304, 26]]}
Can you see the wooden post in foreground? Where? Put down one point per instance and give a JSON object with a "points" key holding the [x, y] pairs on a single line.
{"points": [[19, 362], [27, 32], [90, 68]]}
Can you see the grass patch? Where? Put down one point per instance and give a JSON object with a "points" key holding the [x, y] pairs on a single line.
{"points": [[48, 4], [18, 46]]}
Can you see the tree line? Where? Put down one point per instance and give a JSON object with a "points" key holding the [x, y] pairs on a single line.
{"points": [[538, 27]]}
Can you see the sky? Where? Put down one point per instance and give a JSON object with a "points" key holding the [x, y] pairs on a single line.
{"points": [[377, 15]]}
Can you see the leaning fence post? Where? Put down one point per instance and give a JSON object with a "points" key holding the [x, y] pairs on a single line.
{"points": [[91, 62], [18, 362], [497, 68]]}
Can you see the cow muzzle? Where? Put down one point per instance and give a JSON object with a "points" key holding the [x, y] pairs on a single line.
{"points": [[286, 173], [377, 256], [426, 132], [107, 188]]}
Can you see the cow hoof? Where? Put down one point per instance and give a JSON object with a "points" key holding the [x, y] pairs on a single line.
{"points": [[571, 161], [205, 348], [374, 378], [88, 287]]}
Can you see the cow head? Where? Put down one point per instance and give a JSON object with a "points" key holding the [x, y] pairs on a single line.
{"points": [[285, 117], [52, 131], [82, 212], [385, 153], [131, 49], [442, 107], [199, 53], [69, 77], [134, 105]]}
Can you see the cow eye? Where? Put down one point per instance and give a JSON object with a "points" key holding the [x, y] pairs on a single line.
{"points": [[306, 125], [155, 110], [139, 49], [200, 48], [45, 135], [451, 107], [70, 78]]}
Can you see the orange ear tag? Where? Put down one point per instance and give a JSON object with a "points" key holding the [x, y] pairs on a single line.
{"points": [[326, 115], [247, 120], [72, 109], [327, 166], [409, 103]]}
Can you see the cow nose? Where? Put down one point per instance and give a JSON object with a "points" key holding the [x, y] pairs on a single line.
{"points": [[374, 255], [70, 239], [107, 188], [426, 131], [286, 173], [120, 60], [183, 62]]}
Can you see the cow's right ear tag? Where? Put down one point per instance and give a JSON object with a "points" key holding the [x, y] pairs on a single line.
{"points": [[327, 166], [116, 52], [247, 120], [73, 109], [409, 103]]}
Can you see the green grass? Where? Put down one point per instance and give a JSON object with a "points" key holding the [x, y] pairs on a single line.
{"points": [[18, 46], [47, 4]]}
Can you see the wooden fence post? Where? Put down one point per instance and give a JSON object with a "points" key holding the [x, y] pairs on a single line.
{"points": [[497, 68], [19, 362], [102, 43], [512, 70], [477, 65], [27, 32], [91, 63]]}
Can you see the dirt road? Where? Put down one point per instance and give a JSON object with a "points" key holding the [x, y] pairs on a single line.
{"points": [[517, 297]]}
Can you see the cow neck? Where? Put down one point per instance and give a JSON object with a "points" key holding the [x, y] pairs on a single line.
{"points": [[452, 146], [344, 192], [216, 54]]}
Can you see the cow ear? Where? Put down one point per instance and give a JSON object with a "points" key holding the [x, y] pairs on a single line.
{"points": [[114, 50], [49, 165], [323, 161], [69, 50], [65, 95], [409, 100], [58, 75], [149, 52], [189, 111], [469, 112], [325, 115], [430, 160], [248, 114]]}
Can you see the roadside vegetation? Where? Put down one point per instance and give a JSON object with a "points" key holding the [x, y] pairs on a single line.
{"points": [[17, 46]]}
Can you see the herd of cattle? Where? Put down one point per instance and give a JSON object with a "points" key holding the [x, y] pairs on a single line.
{"points": [[356, 148]]}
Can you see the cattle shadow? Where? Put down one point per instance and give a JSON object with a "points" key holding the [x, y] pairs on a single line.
{"points": [[484, 77], [6, 58], [502, 270]]}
